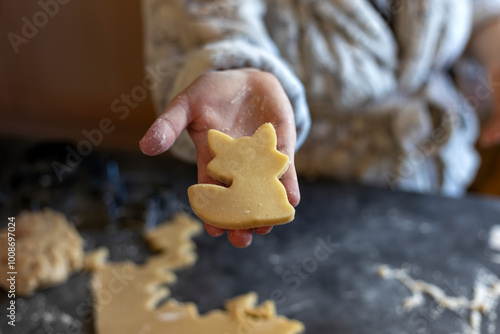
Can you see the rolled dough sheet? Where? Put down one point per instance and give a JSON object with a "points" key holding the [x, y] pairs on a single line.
{"points": [[127, 296], [48, 250], [251, 167]]}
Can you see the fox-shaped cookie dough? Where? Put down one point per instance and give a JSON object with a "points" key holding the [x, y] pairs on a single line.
{"points": [[251, 168]]}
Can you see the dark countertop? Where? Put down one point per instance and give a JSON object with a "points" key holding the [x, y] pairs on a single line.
{"points": [[332, 289]]}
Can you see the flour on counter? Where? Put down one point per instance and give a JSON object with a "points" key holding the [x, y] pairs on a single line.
{"points": [[482, 309], [37, 315]]}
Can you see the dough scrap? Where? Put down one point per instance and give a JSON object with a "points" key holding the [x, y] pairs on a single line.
{"points": [[173, 241], [48, 250], [251, 167], [96, 258], [127, 296]]}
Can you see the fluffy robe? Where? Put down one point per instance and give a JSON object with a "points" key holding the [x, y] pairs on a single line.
{"points": [[372, 76]]}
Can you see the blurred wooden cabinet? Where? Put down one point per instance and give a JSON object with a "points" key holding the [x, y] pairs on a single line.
{"points": [[78, 59]]}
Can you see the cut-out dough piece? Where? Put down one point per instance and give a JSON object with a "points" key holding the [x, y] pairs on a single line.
{"points": [[48, 250], [126, 295], [251, 167], [173, 241], [96, 258]]}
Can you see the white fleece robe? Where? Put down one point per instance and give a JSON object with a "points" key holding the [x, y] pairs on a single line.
{"points": [[371, 75]]}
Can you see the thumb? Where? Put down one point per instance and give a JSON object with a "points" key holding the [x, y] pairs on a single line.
{"points": [[166, 129]]}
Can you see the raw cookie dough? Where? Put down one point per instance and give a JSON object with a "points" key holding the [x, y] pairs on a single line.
{"points": [[251, 167], [96, 258], [173, 242], [48, 250], [126, 295]]}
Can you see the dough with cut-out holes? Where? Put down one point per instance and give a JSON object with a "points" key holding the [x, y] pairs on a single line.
{"points": [[251, 168], [127, 296]]}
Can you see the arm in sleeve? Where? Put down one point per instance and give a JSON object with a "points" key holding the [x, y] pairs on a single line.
{"points": [[187, 38]]}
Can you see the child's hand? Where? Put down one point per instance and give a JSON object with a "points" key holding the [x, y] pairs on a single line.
{"points": [[235, 102], [491, 133]]}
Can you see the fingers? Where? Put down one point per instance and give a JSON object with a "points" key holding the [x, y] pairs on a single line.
{"points": [[291, 184], [240, 238], [284, 124], [165, 130], [286, 144], [214, 231], [263, 230]]}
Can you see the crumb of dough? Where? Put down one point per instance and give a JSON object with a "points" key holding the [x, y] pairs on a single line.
{"points": [[251, 168], [48, 250], [96, 258], [128, 297], [494, 239], [482, 307]]}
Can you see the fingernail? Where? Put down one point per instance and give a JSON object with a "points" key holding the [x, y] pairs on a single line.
{"points": [[145, 141], [153, 140]]}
